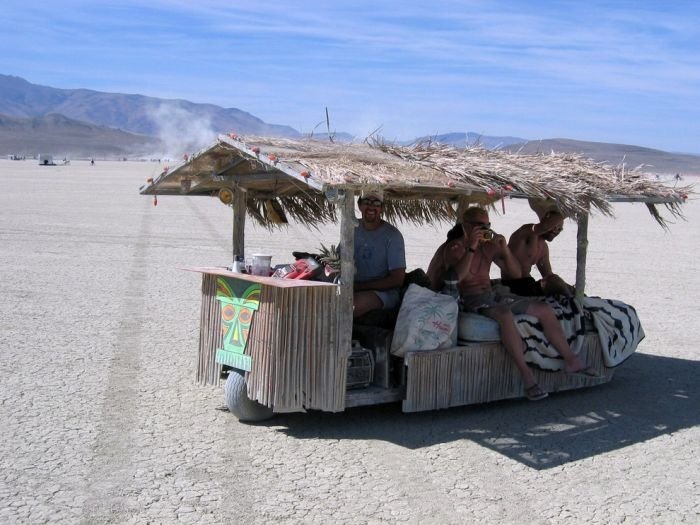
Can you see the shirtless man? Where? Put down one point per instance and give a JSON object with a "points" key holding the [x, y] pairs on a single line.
{"points": [[470, 258], [529, 246]]}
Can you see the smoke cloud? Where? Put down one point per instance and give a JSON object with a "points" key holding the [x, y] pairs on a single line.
{"points": [[180, 131]]}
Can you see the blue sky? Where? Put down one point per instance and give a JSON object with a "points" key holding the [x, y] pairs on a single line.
{"points": [[615, 71]]}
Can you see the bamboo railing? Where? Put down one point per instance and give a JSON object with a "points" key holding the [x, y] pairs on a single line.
{"points": [[484, 372]]}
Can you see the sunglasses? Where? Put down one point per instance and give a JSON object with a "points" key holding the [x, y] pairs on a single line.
{"points": [[371, 202], [485, 225]]}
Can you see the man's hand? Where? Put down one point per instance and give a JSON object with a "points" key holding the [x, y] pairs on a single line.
{"points": [[454, 252], [555, 285], [475, 237], [500, 241]]}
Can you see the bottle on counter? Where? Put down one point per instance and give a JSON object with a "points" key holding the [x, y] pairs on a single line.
{"points": [[238, 265]]}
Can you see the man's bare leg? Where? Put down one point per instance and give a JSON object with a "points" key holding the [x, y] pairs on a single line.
{"points": [[364, 302], [555, 335], [513, 343]]}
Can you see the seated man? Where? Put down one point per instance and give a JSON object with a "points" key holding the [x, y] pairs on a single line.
{"points": [[529, 246], [471, 258], [380, 258], [441, 272]]}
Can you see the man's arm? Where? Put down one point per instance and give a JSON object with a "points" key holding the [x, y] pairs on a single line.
{"points": [[464, 250], [436, 268], [394, 279], [543, 264], [504, 258], [519, 245], [552, 284]]}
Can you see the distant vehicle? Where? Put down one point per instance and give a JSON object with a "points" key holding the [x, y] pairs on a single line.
{"points": [[46, 160]]}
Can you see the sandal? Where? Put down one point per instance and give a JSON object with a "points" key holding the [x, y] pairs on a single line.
{"points": [[535, 393]]}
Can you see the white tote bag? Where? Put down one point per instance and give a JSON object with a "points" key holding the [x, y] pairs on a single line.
{"points": [[426, 321]]}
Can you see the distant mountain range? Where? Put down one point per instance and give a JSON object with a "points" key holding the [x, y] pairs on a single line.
{"points": [[56, 134], [38, 119], [462, 140], [179, 124], [650, 160]]}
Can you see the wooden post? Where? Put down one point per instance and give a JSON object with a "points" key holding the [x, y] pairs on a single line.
{"points": [[347, 269], [239, 212], [581, 251]]}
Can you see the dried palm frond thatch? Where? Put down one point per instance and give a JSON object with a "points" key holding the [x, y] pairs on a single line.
{"points": [[422, 183]]}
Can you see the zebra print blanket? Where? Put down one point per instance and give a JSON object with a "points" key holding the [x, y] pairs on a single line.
{"points": [[617, 323]]}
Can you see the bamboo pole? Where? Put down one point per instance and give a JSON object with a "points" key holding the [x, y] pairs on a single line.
{"points": [[581, 251], [209, 333], [347, 272]]}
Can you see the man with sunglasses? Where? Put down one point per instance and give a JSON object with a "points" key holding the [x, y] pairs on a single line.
{"points": [[529, 246], [380, 258], [470, 259]]}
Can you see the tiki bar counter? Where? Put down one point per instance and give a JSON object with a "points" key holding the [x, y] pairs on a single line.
{"points": [[283, 332]]}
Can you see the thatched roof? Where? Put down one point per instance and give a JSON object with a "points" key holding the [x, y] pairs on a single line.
{"points": [[425, 182]]}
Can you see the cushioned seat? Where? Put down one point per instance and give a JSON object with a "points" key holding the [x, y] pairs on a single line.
{"points": [[477, 328]]}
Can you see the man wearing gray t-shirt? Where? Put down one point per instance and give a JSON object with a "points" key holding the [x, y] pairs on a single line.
{"points": [[380, 258]]}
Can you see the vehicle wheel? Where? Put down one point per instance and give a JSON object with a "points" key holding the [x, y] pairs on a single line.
{"points": [[238, 402]]}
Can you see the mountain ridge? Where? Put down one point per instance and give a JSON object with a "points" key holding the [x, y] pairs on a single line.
{"points": [[98, 123], [58, 135], [647, 159], [134, 113]]}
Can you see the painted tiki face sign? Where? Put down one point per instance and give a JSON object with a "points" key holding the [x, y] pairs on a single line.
{"points": [[239, 302]]}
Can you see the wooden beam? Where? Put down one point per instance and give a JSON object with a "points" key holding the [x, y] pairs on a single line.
{"points": [[229, 166], [260, 177], [581, 252], [238, 230]]}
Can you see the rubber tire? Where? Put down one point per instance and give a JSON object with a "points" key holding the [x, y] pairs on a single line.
{"points": [[238, 402]]}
